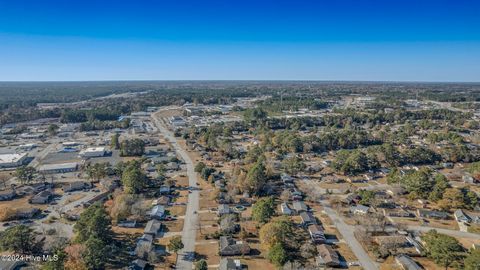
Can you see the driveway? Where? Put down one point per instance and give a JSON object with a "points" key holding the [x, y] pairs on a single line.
{"points": [[185, 260]]}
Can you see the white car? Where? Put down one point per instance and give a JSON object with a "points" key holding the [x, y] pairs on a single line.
{"points": [[353, 264]]}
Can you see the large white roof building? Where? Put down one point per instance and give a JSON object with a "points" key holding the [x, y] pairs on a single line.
{"points": [[12, 160], [93, 152]]}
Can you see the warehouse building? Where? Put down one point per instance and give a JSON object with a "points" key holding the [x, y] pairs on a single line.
{"points": [[58, 168], [12, 160], [93, 152]]}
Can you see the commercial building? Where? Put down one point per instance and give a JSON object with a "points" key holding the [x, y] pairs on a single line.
{"points": [[58, 168], [93, 152], [12, 160]]}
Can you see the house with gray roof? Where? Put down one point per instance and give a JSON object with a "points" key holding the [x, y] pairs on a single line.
{"points": [[407, 263], [43, 197], [157, 212], [229, 264], [307, 218], [230, 247], [461, 216], [153, 227], [7, 195], [299, 207]]}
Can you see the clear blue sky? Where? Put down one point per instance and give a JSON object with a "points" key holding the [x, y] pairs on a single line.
{"points": [[396, 40]]}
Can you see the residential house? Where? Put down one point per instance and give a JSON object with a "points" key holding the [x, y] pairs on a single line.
{"points": [[299, 207], [127, 224], [416, 245], [307, 218], [158, 212], [285, 209], [327, 257], [391, 241], [396, 191], [461, 216], [165, 190], [230, 247], [424, 213], [397, 212], [8, 195], [108, 184], [316, 233], [229, 264], [468, 179], [163, 200], [286, 178], [12, 264], [26, 213], [352, 199], [359, 209], [172, 166], [219, 184], [153, 227], [407, 263], [138, 264], [75, 186], [43, 197], [159, 160], [223, 209], [34, 188], [144, 246]]}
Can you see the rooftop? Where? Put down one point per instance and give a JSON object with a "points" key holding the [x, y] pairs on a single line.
{"points": [[49, 167], [10, 158]]}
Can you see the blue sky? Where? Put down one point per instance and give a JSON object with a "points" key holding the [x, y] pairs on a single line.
{"points": [[389, 40]]}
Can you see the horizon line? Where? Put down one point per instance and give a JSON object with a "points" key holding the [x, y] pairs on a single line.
{"points": [[235, 80]]}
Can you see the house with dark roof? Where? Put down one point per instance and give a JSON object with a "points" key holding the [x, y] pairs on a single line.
{"points": [[316, 233], [396, 212], [43, 197], [307, 218], [12, 264], [327, 256], [286, 178], [230, 247], [352, 199], [144, 246], [8, 195], [423, 213], [26, 213], [33, 188], [165, 190], [138, 264]]}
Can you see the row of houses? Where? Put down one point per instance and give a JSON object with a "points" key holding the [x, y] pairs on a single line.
{"points": [[327, 256], [146, 243]]}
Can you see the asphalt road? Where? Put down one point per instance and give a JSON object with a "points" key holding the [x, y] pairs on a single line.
{"points": [[347, 233], [453, 233], [185, 258]]}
